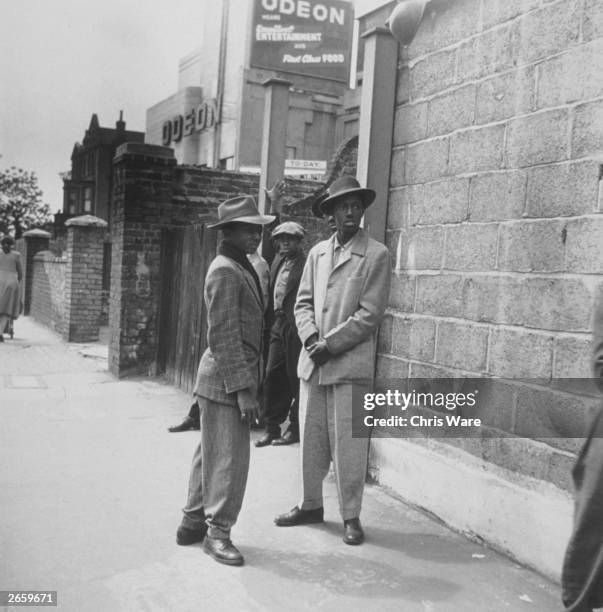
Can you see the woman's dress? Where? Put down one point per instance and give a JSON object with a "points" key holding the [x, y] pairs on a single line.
{"points": [[10, 271]]}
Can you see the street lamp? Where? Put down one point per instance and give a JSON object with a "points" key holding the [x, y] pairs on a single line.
{"points": [[405, 20]]}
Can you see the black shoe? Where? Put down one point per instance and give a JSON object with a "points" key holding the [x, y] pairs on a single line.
{"points": [[185, 536], [266, 439], [222, 551], [287, 438], [300, 517], [186, 425], [353, 532]]}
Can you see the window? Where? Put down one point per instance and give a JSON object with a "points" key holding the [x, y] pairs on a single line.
{"points": [[72, 203], [88, 199], [227, 163]]}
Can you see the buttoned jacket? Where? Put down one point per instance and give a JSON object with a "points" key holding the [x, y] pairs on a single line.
{"points": [[235, 326], [344, 306], [291, 286]]}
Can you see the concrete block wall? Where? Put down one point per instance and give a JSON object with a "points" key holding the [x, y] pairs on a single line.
{"points": [[494, 219], [47, 303]]}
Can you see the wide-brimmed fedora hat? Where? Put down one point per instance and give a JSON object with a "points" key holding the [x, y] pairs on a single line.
{"points": [[346, 185], [316, 204], [241, 209], [289, 228]]}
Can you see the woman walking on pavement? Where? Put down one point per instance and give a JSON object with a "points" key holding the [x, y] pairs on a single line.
{"points": [[11, 274]]}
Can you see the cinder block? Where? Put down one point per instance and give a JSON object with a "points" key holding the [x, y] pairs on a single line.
{"points": [[495, 404], [401, 201], [445, 25], [403, 85], [550, 30], [495, 11], [440, 295], [443, 202], [497, 196], [410, 123], [477, 149], [396, 175], [483, 298], [432, 74], [542, 413], [422, 249], [384, 339], [584, 245], [563, 189], [471, 247], [451, 111], [505, 95], [488, 53], [587, 134], [592, 26], [390, 368], [413, 338], [520, 354], [427, 161], [462, 346], [573, 357], [537, 139], [573, 76], [402, 291], [536, 246]]}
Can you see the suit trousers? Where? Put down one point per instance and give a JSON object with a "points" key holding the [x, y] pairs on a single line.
{"points": [[281, 385], [219, 471], [325, 418]]}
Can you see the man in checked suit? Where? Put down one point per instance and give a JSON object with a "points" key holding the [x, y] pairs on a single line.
{"points": [[227, 383], [341, 300]]}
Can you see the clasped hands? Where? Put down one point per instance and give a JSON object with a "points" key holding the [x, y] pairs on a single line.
{"points": [[318, 350]]}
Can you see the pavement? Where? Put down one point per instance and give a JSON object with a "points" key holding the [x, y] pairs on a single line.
{"points": [[91, 487]]}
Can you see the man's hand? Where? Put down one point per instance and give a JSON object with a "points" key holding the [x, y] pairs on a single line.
{"points": [[248, 406], [319, 352], [274, 195]]}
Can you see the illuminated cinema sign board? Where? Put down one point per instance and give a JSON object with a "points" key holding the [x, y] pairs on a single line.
{"points": [[205, 115], [303, 37]]}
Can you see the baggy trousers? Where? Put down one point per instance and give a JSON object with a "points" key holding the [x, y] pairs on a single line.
{"points": [[281, 385], [586, 540], [325, 418], [219, 471]]}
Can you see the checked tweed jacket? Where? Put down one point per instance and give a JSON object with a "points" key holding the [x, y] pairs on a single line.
{"points": [[235, 322]]}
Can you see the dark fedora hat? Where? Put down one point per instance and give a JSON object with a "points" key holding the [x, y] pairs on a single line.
{"points": [[241, 209], [317, 202], [343, 186]]}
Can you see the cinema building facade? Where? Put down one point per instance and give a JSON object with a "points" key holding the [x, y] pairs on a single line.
{"points": [[215, 117]]}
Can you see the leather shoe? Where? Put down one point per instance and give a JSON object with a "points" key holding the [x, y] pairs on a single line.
{"points": [[296, 516], [185, 536], [265, 440], [186, 425], [222, 551], [353, 532], [287, 438]]}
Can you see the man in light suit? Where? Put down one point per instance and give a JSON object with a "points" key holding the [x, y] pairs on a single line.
{"points": [[341, 300], [227, 384]]}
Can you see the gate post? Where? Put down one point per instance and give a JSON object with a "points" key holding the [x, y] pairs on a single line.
{"points": [[144, 177], [35, 240]]}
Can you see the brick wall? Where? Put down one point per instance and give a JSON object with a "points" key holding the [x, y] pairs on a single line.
{"points": [[48, 290], [494, 215]]}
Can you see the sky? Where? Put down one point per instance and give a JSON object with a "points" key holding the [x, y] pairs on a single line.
{"points": [[62, 60]]}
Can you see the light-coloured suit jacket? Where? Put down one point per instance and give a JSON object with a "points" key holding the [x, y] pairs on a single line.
{"points": [[598, 342], [344, 306], [235, 320]]}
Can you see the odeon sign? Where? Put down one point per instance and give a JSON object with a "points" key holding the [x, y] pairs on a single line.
{"points": [[206, 115]]}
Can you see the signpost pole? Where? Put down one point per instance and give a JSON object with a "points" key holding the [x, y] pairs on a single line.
{"points": [[274, 141]]}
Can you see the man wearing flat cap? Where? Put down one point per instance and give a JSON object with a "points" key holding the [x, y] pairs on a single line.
{"points": [[227, 383], [340, 303], [281, 383]]}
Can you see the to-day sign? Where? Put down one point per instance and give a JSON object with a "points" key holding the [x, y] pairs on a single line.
{"points": [[304, 166], [303, 37]]}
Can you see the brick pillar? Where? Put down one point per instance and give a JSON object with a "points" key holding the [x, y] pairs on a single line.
{"points": [[144, 179], [35, 241], [83, 278]]}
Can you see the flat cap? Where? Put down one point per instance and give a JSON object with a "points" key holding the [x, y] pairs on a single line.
{"points": [[290, 228]]}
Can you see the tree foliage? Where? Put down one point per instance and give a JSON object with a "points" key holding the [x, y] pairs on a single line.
{"points": [[21, 206]]}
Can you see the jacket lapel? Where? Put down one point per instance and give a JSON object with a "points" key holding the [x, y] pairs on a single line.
{"points": [[252, 285]]}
